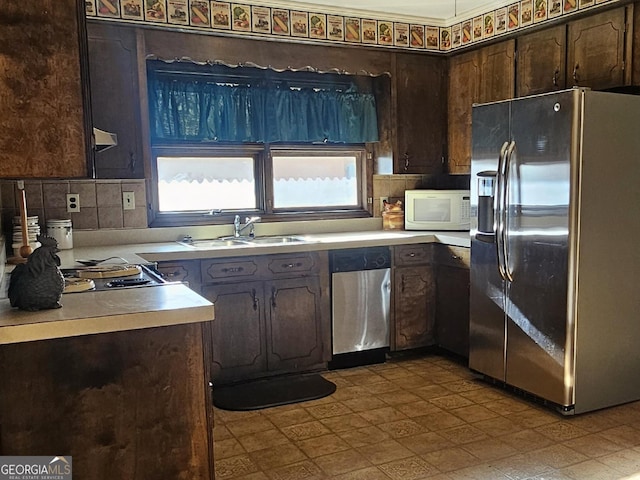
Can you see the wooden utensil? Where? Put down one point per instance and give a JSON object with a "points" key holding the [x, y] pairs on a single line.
{"points": [[25, 249]]}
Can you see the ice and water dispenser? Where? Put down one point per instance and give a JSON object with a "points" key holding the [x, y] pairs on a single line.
{"points": [[486, 201]]}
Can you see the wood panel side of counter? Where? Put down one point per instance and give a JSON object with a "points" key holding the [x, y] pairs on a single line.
{"points": [[125, 405]]}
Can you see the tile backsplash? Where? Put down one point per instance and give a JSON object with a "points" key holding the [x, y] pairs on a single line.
{"points": [[100, 203], [101, 200], [393, 186]]}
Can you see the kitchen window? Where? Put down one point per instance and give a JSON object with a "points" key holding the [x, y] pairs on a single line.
{"points": [[284, 146], [196, 185]]}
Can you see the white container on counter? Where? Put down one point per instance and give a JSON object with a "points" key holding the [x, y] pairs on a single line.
{"points": [[62, 231]]}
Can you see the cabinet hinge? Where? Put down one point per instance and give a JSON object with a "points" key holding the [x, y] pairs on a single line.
{"points": [[369, 156]]}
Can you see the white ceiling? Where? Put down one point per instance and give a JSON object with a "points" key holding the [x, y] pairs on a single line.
{"points": [[432, 12]]}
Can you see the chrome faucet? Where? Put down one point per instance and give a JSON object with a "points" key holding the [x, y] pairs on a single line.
{"points": [[248, 222]]}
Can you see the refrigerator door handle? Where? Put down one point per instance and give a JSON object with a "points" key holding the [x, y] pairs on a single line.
{"points": [[498, 207], [504, 212]]}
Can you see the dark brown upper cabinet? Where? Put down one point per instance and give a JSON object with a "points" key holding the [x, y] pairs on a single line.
{"points": [[419, 91], [590, 52], [542, 57], [497, 71], [44, 127], [464, 91], [596, 53], [115, 98], [478, 76]]}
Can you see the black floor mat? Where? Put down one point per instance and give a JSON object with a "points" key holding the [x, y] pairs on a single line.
{"points": [[272, 392]]}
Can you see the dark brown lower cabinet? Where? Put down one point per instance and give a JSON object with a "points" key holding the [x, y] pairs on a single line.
{"points": [[238, 331], [293, 332], [414, 292], [272, 315], [452, 299]]}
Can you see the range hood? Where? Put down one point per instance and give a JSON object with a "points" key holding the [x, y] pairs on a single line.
{"points": [[103, 140]]}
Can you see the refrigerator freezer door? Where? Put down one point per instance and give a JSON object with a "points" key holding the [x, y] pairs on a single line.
{"points": [[538, 173], [487, 319]]}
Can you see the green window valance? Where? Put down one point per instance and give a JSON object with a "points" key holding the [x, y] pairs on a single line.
{"points": [[193, 109]]}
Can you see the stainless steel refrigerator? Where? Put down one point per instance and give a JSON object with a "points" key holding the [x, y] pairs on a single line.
{"points": [[555, 262]]}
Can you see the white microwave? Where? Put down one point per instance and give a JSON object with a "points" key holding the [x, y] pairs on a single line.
{"points": [[437, 209]]}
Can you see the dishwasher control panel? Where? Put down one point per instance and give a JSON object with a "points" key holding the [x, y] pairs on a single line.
{"points": [[355, 259]]}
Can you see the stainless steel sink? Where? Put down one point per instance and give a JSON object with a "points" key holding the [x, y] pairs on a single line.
{"points": [[243, 241], [212, 243], [277, 239]]}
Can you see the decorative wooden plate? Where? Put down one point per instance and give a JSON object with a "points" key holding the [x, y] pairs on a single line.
{"points": [[109, 271], [73, 284]]}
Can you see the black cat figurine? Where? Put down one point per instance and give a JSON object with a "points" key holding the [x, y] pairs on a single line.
{"points": [[38, 284]]}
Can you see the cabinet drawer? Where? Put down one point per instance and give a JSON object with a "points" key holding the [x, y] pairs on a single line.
{"points": [[453, 256], [186, 271], [418, 254], [295, 263], [216, 270]]}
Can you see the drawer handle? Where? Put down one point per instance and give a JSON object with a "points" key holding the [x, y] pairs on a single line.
{"points": [[170, 274], [455, 257], [232, 270], [412, 254], [291, 265], [273, 297]]}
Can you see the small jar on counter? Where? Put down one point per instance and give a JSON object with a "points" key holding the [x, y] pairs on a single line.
{"points": [[393, 216], [62, 231]]}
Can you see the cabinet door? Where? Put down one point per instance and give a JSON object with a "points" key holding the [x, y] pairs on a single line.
{"points": [[541, 61], [420, 92], [497, 71], [596, 53], [452, 309], [293, 327], [115, 98], [484, 75], [238, 330], [464, 90], [414, 306], [44, 122]]}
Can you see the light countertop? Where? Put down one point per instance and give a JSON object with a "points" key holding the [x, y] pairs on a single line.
{"points": [[173, 251], [105, 311]]}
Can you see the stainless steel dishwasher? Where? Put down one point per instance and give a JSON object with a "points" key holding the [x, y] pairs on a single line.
{"points": [[360, 305]]}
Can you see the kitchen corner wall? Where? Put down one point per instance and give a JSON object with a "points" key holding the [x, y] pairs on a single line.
{"points": [[393, 186], [100, 203]]}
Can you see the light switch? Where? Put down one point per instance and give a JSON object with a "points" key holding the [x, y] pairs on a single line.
{"points": [[128, 201]]}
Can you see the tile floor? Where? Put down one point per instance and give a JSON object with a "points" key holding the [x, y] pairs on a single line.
{"points": [[424, 418]]}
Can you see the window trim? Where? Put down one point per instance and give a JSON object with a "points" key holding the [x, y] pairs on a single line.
{"points": [[263, 171], [312, 151]]}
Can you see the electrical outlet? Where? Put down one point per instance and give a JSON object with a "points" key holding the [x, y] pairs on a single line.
{"points": [[128, 201], [73, 202], [382, 200]]}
